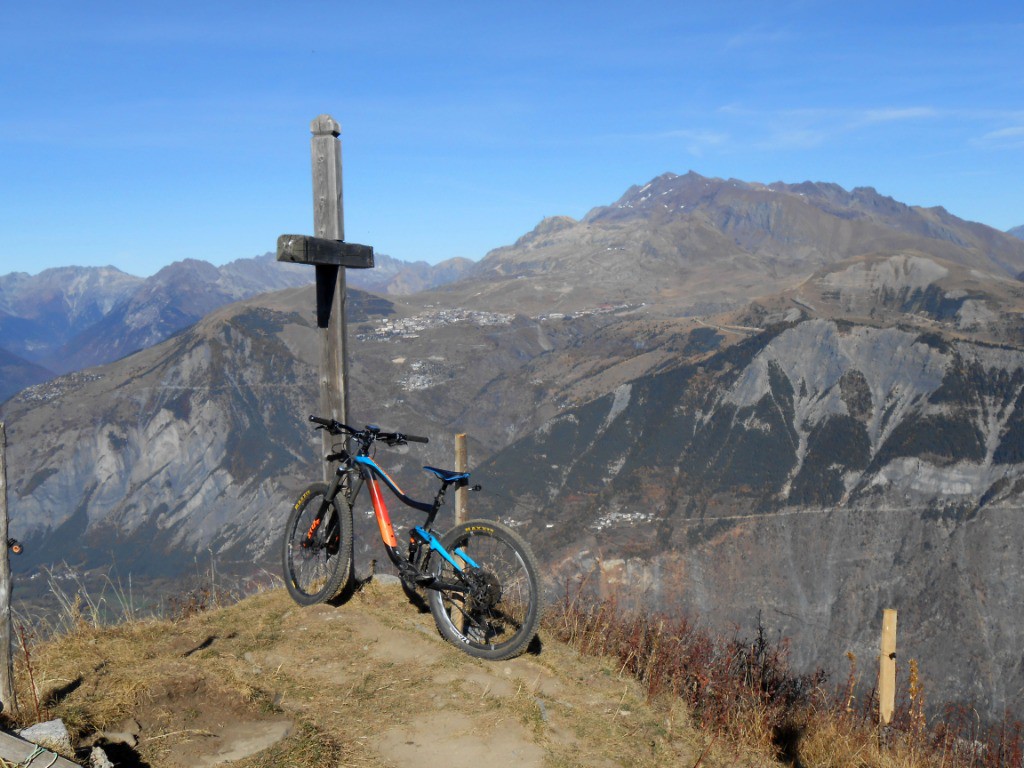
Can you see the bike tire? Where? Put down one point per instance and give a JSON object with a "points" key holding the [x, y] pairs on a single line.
{"points": [[504, 622], [317, 556]]}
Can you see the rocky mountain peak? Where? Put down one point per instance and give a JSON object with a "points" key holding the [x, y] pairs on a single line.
{"points": [[859, 404], [548, 226], [80, 291], [189, 269], [727, 240], [667, 192]]}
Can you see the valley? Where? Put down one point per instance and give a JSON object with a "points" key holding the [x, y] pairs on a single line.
{"points": [[788, 403]]}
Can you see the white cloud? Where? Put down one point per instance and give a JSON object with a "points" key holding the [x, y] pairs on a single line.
{"points": [[891, 115], [1004, 138], [697, 142]]}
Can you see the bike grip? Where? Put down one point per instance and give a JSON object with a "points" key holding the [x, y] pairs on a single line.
{"points": [[321, 422], [416, 439]]}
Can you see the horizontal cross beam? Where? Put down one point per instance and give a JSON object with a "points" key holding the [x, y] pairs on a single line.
{"points": [[302, 249]]}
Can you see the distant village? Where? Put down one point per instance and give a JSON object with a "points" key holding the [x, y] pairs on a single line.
{"points": [[411, 327], [56, 388]]}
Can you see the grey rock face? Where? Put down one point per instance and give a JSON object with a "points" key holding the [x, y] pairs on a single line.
{"points": [[851, 443], [814, 475]]}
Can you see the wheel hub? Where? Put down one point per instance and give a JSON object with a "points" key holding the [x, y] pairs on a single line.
{"points": [[486, 590]]}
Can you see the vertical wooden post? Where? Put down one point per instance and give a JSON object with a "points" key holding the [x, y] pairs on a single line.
{"points": [[329, 223], [461, 492], [461, 465], [887, 668], [7, 694]]}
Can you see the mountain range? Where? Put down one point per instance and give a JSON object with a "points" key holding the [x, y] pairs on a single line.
{"points": [[734, 397], [70, 318], [669, 243]]}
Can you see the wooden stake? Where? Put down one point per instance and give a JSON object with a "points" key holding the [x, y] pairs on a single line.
{"points": [[327, 252], [7, 694], [329, 223], [887, 668], [461, 465], [461, 494]]}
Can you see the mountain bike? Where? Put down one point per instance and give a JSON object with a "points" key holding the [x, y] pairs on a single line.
{"points": [[481, 578]]}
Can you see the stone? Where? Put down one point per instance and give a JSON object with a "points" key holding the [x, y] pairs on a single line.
{"points": [[52, 735], [98, 759]]}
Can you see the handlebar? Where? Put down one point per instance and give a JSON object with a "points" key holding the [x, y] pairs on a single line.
{"points": [[371, 433]]}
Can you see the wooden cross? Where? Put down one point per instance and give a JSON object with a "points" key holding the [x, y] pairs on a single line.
{"points": [[331, 256]]}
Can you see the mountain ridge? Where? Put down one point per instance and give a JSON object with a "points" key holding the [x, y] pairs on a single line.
{"points": [[726, 241], [650, 415], [70, 318]]}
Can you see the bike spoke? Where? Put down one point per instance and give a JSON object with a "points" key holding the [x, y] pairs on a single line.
{"points": [[316, 556], [496, 612]]}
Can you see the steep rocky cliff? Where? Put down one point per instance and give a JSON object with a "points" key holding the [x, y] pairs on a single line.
{"points": [[839, 441], [814, 473], [195, 448]]}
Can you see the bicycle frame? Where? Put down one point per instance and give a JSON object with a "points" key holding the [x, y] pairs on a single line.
{"points": [[370, 474], [486, 603]]}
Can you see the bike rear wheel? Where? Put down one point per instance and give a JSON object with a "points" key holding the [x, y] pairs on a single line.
{"points": [[497, 617], [317, 551]]}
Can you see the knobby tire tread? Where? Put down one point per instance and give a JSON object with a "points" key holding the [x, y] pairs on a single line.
{"points": [[337, 568], [443, 606]]}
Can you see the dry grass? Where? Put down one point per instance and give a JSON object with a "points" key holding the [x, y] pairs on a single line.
{"points": [[745, 695], [369, 683]]}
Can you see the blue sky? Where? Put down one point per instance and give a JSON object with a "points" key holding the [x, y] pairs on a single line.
{"points": [[136, 134]]}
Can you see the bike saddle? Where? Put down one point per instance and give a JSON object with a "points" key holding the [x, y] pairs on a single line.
{"points": [[447, 475]]}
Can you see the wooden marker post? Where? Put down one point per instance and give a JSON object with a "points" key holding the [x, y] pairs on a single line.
{"points": [[461, 494], [887, 668], [461, 465], [7, 694], [331, 256]]}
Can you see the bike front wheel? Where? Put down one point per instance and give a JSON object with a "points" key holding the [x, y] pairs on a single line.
{"points": [[495, 614], [317, 552]]}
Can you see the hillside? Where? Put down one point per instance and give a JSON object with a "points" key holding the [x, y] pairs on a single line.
{"points": [[836, 463], [16, 373], [67, 319], [369, 683], [394, 277], [697, 245], [847, 442], [213, 441]]}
